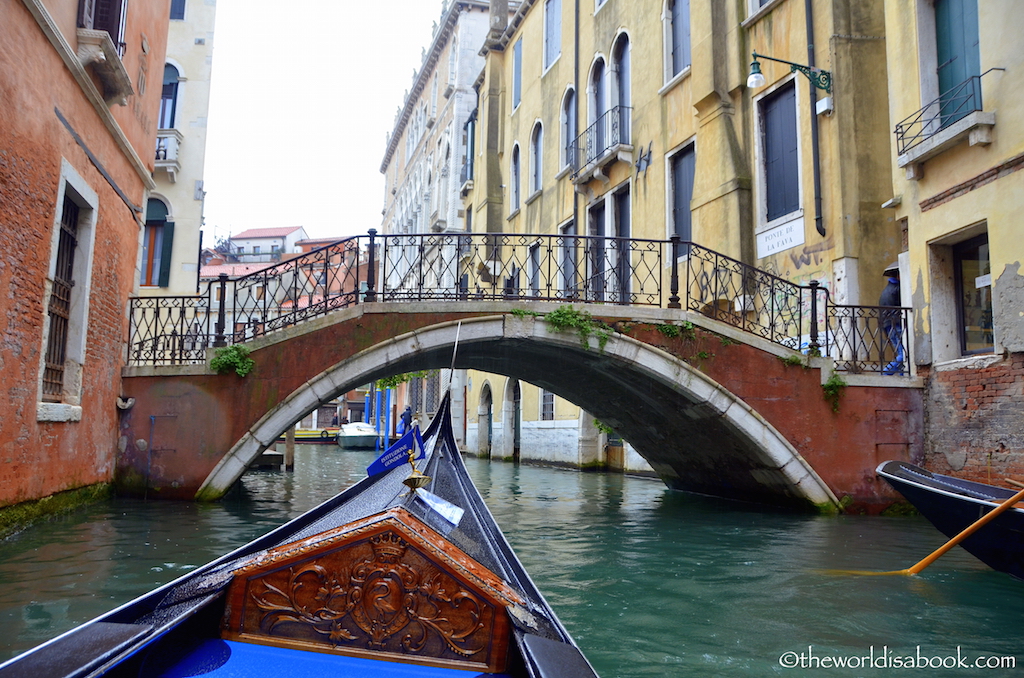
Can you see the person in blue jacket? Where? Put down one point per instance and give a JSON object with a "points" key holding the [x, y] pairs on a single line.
{"points": [[892, 320]]}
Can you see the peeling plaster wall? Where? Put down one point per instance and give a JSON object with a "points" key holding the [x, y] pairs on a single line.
{"points": [[1008, 307]]}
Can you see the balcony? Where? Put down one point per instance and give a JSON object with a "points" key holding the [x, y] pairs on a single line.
{"points": [[168, 142], [602, 144], [97, 53], [943, 123]]}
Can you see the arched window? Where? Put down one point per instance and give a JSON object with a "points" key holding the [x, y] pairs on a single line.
{"points": [[536, 158], [514, 176], [569, 133], [621, 85], [620, 71], [169, 97], [598, 92], [156, 245]]}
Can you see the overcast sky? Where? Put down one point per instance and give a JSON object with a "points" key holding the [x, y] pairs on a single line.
{"points": [[303, 95]]}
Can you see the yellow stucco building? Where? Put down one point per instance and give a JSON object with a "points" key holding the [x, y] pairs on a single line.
{"points": [[958, 146]]}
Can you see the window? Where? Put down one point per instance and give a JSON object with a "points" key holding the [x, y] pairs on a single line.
{"points": [[677, 36], [169, 97], [156, 245], [178, 9], [58, 310], [596, 265], [67, 300], [552, 31], [569, 133], [779, 148], [517, 73], [256, 249], [958, 55], [547, 405], [104, 15], [620, 72], [973, 279], [536, 158], [513, 189], [681, 168], [598, 107], [620, 255]]}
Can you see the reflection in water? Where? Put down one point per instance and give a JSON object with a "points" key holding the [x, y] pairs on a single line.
{"points": [[649, 582]]}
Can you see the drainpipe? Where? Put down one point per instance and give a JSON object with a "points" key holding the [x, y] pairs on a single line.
{"points": [[809, 16]]}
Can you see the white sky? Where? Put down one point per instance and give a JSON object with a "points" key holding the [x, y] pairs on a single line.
{"points": [[303, 95]]}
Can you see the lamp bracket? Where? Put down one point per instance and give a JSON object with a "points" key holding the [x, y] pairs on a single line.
{"points": [[820, 78]]}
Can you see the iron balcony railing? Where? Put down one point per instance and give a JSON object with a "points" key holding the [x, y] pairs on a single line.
{"points": [[952, 105], [508, 267], [610, 130]]}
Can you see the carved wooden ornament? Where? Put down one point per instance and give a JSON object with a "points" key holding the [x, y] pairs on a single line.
{"points": [[385, 587]]}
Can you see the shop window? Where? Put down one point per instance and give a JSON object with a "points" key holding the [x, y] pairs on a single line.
{"points": [[973, 279]]}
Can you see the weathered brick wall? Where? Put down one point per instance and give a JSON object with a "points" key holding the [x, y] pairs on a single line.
{"points": [[40, 458], [974, 420]]}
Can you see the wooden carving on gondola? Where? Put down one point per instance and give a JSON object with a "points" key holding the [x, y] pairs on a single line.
{"points": [[388, 585]]}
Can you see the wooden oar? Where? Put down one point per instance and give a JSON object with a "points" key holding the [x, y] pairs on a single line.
{"points": [[939, 552]]}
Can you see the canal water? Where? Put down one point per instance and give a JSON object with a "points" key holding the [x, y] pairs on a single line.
{"points": [[649, 582]]}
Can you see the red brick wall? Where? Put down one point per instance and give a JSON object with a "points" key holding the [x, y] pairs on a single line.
{"points": [[974, 421], [40, 458]]}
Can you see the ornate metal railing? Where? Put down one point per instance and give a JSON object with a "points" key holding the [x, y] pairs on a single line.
{"points": [[934, 116], [611, 129], [869, 338], [507, 267]]}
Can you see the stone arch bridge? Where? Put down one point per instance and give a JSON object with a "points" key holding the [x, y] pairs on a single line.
{"points": [[716, 410]]}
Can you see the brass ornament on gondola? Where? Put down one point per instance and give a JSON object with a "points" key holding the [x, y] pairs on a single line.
{"points": [[416, 479]]}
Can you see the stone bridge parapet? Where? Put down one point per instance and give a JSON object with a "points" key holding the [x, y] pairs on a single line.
{"points": [[712, 409]]}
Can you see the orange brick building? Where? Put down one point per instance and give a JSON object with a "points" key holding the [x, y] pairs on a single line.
{"points": [[79, 95]]}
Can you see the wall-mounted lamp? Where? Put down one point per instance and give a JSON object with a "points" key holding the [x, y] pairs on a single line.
{"points": [[821, 79]]}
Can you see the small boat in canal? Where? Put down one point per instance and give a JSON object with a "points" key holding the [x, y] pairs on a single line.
{"points": [[404, 574], [357, 436], [952, 504], [315, 436]]}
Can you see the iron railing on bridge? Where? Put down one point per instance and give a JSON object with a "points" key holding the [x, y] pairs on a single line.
{"points": [[512, 267]]}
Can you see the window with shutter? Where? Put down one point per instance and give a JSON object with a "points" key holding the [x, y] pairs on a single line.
{"points": [[682, 166], [514, 180], [517, 73], [552, 31], [958, 54], [779, 147], [680, 18], [104, 15]]}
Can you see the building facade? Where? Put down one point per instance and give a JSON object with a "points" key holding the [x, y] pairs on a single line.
{"points": [[78, 125], [957, 193], [636, 120], [171, 241]]}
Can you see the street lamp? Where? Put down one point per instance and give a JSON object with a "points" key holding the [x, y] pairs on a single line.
{"points": [[819, 78]]}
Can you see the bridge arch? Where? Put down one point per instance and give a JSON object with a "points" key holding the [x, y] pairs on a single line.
{"points": [[703, 438]]}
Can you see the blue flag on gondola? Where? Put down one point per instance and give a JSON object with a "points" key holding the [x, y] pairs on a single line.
{"points": [[398, 453]]}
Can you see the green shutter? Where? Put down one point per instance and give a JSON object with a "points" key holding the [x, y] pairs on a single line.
{"points": [[166, 242]]}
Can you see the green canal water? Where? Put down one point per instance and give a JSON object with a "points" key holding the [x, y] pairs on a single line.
{"points": [[648, 581]]}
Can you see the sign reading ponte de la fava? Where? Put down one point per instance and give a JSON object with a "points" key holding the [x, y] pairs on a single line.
{"points": [[789, 234]]}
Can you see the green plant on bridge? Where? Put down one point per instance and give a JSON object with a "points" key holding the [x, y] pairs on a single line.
{"points": [[232, 358], [567, 318], [793, 361], [603, 427], [833, 389]]}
